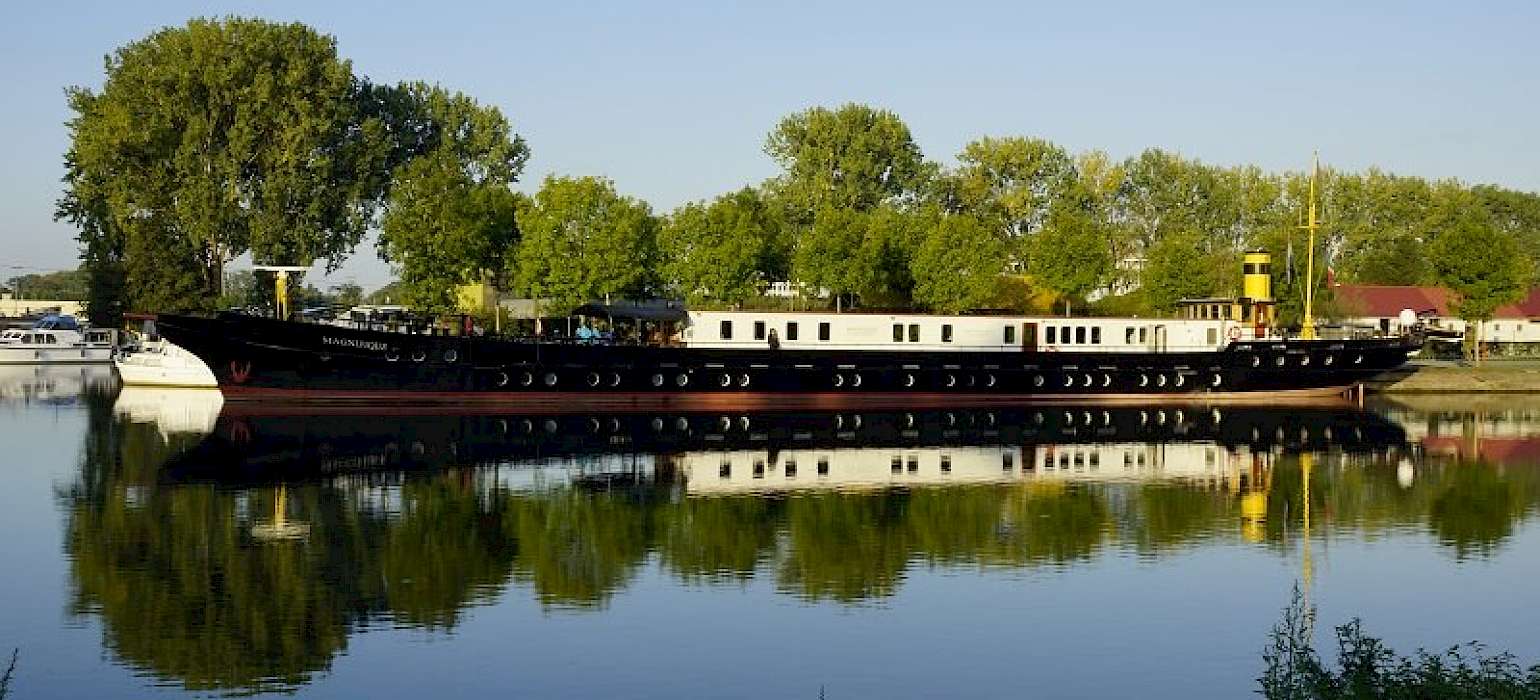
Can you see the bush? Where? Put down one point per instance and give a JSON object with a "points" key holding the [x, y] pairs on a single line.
{"points": [[1369, 669]]}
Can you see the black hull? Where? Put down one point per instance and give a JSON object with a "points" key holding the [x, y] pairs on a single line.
{"points": [[277, 361], [268, 447]]}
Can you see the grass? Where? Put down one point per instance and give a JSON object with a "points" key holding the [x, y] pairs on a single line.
{"points": [[1367, 668]]}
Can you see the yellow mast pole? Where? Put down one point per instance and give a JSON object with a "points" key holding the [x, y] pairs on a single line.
{"points": [[1307, 325]]}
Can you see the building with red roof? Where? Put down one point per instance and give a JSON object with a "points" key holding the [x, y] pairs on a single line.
{"points": [[1381, 306]]}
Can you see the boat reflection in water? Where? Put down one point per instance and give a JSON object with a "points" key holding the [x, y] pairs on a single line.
{"points": [[57, 384], [245, 558]]}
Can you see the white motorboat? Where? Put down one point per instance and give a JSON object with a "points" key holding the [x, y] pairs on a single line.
{"points": [[161, 363], [56, 340]]}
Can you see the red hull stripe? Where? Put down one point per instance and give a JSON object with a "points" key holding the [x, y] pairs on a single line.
{"points": [[282, 400]]}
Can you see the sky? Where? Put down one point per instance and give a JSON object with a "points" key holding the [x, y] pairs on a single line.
{"points": [[672, 100]]}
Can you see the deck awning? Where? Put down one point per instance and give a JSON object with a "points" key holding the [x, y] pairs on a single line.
{"points": [[639, 311]]}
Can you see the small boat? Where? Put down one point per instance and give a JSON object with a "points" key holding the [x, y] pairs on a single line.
{"points": [[163, 364], [56, 340]]}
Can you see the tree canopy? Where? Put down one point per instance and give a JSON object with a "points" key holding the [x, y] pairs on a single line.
{"points": [[583, 241], [722, 251]]}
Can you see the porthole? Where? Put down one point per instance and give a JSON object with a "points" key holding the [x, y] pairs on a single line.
{"points": [[1304, 361], [1160, 380], [973, 380], [1037, 417], [1280, 360], [908, 380], [855, 380], [681, 424], [989, 381], [726, 380], [855, 421], [657, 380], [1358, 359], [614, 379], [657, 425], [682, 380], [951, 380], [743, 422], [1087, 381], [419, 355], [951, 419], [593, 379], [1069, 418], [550, 426], [1144, 380], [1216, 380], [392, 356], [593, 425], [724, 424], [1180, 380], [1106, 380], [1069, 380], [451, 355], [527, 426], [550, 379], [526, 379], [839, 380], [1256, 361], [1328, 360], [743, 379], [908, 420], [1037, 380], [502, 379]]}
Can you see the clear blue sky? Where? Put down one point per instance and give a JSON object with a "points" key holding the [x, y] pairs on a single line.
{"points": [[673, 100]]}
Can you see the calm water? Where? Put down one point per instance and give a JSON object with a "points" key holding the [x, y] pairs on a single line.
{"points": [[155, 545]]}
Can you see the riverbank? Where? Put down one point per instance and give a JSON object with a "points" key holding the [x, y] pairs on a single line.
{"points": [[1439, 377]]}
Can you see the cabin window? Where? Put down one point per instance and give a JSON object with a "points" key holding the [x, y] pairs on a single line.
{"points": [[1128, 335], [1010, 335], [1007, 462], [898, 332], [1213, 336], [946, 332], [791, 331], [1053, 335], [823, 331], [725, 471], [913, 463], [759, 469], [26, 340], [1080, 334], [823, 466], [759, 330], [946, 463], [49, 339], [1143, 336], [897, 465], [726, 332], [791, 468], [914, 332], [1096, 335], [1064, 334]]}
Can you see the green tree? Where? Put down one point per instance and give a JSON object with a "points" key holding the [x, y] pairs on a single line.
{"points": [[1070, 256], [957, 267], [216, 138], [1181, 266], [583, 241], [1480, 264], [853, 157], [722, 251], [444, 228], [1010, 183]]}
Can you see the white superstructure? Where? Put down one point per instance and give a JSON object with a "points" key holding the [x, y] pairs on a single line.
{"points": [[920, 332]]}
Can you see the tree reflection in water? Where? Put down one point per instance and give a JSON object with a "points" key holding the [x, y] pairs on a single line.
{"points": [[196, 586]]}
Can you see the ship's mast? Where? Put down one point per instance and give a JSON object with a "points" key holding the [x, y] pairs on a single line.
{"points": [[1307, 325]]}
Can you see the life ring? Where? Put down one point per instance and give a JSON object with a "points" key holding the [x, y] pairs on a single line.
{"points": [[1234, 333], [240, 371]]}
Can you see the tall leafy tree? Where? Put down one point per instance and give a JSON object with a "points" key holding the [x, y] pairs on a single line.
{"points": [[1481, 264], [852, 157], [583, 241], [1070, 255], [1010, 183], [220, 137], [449, 215], [957, 267], [723, 250]]}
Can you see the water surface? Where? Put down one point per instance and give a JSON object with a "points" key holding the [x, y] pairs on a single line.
{"points": [[158, 543]]}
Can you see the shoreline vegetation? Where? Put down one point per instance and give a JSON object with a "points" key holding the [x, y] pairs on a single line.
{"points": [[1367, 668], [249, 137]]}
